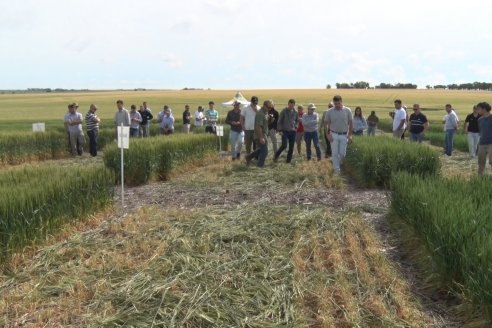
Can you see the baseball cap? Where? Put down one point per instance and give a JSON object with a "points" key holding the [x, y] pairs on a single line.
{"points": [[74, 104], [311, 106], [254, 99]]}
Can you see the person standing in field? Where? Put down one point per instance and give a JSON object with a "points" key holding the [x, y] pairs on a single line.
{"points": [[146, 107], [92, 124], [485, 144], [340, 126], [472, 131], [212, 116], [186, 119], [325, 133], [248, 114], [418, 124], [236, 134], [300, 128], [135, 120], [199, 117], [272, 126], [450, 127], [122, 116], [372, 124], [310, 121], [147, 116], [260, 135], [359, 122], [167, 123], [74, 122], [65, 124], [160, 117], [287, 127], [399, 120]]}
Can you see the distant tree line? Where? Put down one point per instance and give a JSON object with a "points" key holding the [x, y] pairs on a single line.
{"points": [[366, 85], [463, 86]]}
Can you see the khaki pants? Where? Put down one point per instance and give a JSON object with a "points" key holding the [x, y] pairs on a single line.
{"points": [[272, 134], [77, 142], [249, 140], [484, 151]]}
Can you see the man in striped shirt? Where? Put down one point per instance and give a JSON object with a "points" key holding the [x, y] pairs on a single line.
{"points": [[92, 123]]}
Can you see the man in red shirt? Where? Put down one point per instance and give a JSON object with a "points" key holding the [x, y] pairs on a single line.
{"points": [[300, 128]]}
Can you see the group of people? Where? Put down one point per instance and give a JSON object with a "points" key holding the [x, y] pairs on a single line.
{"points": [[253, 126]]}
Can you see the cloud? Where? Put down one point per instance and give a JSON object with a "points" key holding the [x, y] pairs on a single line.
{"points": [[172, 60], [483, 71]]}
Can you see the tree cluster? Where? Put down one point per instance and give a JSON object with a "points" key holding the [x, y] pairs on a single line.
{"points": [[463, 86]]}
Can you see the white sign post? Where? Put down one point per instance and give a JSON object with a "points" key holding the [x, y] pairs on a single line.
{"points": [[38, 127], [219, 130], [123, 143]]}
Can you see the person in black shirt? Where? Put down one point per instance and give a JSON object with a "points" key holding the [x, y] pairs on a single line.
{"points": [[236, 135], [272, 126], [186, 119], [472, 131], [418, 124], [146, 118]]}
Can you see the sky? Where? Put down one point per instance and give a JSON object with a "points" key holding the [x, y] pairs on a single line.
{"points": [[239, 44]]}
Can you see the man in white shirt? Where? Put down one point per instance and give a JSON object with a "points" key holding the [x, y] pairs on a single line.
{"points": [[399, 120], [248, 115], [199, 117], [450, 127]]}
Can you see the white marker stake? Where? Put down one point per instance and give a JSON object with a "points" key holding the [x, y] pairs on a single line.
{"points": [[123, 142]]}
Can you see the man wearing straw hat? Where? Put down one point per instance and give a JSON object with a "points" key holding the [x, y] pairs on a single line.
{"points": [[74, 123]]}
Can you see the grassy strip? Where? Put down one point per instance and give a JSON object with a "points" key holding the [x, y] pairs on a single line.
{"points": [[248, 266], [453, 218], [373, 160], [157, 156], [36, 201]]}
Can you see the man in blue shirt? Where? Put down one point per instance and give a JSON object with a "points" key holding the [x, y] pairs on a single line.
{"points": [[418, 124]]}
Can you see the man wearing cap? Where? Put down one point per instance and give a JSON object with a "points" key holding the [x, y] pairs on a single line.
{"points": [[236, 134], [339, 126], [74, 121], [260, 135], [310, 121], [248, 114], [92, 123], [212, 116], [287, 126], [135, 120]]}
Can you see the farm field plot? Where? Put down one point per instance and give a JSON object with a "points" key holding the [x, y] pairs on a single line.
{"points": [[18, 111], [223, 246]]}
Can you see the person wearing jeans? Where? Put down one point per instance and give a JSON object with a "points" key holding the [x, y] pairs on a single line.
{"points": [[418, 124], [472, 131], [248, 114], [485, 127], [260, 135], [310, 121], [450, 127], [236, 135], [287, 126], [340, 126]]}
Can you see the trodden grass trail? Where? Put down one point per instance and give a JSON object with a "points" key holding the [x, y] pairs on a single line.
{"points": [[223, 245]]}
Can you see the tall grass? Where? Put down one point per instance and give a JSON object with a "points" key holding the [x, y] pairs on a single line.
{"points": [[157, 156], [37, 200], [454, 219], [373, 160]]}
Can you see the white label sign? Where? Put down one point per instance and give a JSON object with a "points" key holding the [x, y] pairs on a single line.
{"points": [[219, 130], [124, 137], [38, 127]]}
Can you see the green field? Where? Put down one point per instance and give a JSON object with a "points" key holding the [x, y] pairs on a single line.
{"points": [[19, 111]]}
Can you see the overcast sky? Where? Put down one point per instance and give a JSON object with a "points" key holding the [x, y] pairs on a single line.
{"points": [[241, 44]]}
